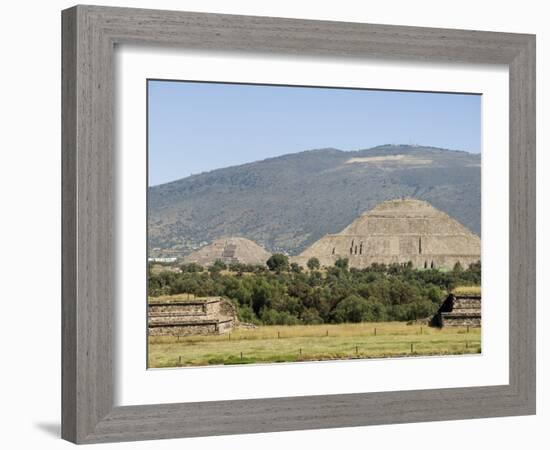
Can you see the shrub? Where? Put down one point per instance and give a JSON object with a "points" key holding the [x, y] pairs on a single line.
{"points": [[342, 263], [352, 309], [246, 314], [278, 262], [458, 269], [218, 266], [272, 317], [311, 316], [191, 268], [313, 264]]}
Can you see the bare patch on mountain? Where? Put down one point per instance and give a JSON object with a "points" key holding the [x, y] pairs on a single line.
{"points": [[399, 159]]}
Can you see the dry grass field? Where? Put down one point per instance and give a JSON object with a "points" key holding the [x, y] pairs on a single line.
{"points": [[467, 290], [270, 344]]}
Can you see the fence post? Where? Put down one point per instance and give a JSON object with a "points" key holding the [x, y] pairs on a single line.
{"points": [[467, 328], [300, 351], [179, 360], [420, 330], [327, 333], [375, 331], [241, 356], [356, 350], [412, 347], [278, 335]]}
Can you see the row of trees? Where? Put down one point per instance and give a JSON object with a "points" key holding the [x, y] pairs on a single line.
{"points": [[286, 294]]}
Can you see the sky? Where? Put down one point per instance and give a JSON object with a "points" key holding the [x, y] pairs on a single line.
{"points": [[195, 127]]}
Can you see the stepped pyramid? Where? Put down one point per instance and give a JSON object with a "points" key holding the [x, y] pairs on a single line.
{"points": [[229, 250], [398, 231]]}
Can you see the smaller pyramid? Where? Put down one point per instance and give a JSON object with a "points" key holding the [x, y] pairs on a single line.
{"points": [[229, 250]]}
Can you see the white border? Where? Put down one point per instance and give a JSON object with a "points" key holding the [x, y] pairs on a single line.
{"points": [[135, 385]]}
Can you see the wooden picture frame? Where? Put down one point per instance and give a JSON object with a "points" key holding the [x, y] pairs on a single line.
{"points": [[90, 34]]}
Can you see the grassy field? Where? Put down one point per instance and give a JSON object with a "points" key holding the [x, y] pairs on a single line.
{"points": [[269, 344]]}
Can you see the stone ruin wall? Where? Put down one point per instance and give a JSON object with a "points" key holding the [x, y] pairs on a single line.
{"points": [[467, 303], [184, 330], [199, 317], [466, 312], [472, 322]]}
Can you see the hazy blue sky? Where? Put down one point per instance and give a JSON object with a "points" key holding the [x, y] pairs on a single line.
{"points": [[196, 127]]}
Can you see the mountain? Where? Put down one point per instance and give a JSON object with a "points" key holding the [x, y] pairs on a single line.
{"points": [[288, 202]]}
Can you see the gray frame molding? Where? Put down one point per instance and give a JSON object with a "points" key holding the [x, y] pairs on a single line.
{"points": [[89, 34]]}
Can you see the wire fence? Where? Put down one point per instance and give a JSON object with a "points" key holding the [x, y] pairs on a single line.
{"points": [[357, 351], [375, 331]]}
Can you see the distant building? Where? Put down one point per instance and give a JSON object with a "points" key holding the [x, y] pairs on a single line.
{"points": [[398, 231], [163, 260], [229, 250]]}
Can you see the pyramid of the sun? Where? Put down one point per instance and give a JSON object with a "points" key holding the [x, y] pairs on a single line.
{"points": [[229, 250], [398, 231]]}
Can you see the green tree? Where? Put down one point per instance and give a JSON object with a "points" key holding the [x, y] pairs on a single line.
{"points": [[311, 317], [376, 293], [351, 309], [272, 317], [262, 294], [313, 263], [236, 267], [296, 268], [342, 263], [457, 268], [218, 266], [278, 262], [191, 268], [315, 278], [246, 314]]}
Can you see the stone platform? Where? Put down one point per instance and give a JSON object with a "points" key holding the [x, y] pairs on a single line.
{"points": [[458, 311], [175, 316]]}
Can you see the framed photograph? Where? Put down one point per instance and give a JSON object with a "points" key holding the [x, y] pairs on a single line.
{"points": [[278, 224]]}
